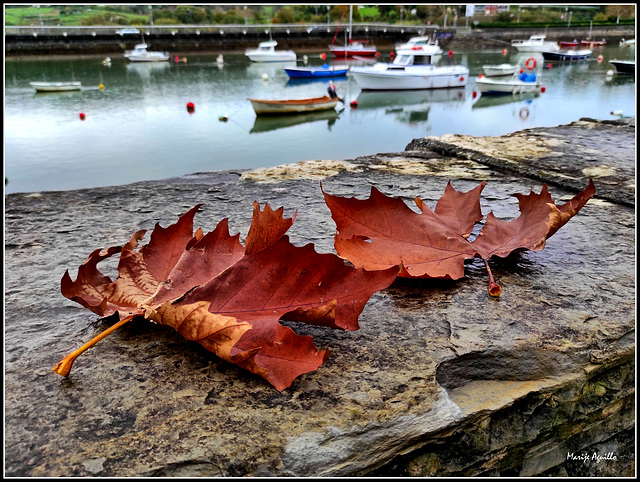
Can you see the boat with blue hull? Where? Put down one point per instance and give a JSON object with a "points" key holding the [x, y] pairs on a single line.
{"points": [[323, 71], [567, 55]]}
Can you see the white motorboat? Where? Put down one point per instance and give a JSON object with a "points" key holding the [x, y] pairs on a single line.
{"points": [[421, 43], [141, 54], [55, 86], [410, 70], [526, 78], [628, 43], [266, 52], [536, 43], [498, 70]]}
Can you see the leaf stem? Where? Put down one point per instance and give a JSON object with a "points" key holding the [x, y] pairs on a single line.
{"points": [[63, 367], [494, 288]]}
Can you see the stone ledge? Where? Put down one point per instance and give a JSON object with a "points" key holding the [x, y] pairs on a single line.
{"points": [[439, 380]]}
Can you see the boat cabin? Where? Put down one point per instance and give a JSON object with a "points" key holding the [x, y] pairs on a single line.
{"points": [[418, 42], [268, 46], [533, 40], [404, 58]]}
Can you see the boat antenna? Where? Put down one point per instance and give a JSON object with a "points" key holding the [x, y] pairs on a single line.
{"points": [[350, 20]]}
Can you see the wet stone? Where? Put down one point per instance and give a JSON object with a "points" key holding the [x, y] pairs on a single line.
{"points": [[440, 379]]}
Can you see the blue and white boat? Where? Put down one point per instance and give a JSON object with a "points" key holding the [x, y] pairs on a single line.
{"points": [[322, 71], [567, 55]]}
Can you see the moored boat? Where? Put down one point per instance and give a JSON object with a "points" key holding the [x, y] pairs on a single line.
{"points": [[568, 44], [292, 106], [624, 66], [498, 70], [322, 71], [567, 55], [593, 43], [535, 43], [354, 48], [527, 81], [410, 70], [56, 86], [141, 54], [266, 52]]}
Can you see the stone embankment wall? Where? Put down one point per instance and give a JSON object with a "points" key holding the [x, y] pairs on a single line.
{"points": [[440, 379], [57, 41]]}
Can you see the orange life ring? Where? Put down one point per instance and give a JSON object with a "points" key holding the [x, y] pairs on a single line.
{"points": [[531, 63], [524, 113]]}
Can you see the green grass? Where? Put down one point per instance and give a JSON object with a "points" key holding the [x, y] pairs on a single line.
{"points": [[29, 16]]}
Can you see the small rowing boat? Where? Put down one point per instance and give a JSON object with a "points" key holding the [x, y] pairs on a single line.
{"points": [[293, 106], [55, 86]]}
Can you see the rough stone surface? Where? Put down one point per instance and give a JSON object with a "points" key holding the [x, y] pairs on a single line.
{"points": [[439, 380]]}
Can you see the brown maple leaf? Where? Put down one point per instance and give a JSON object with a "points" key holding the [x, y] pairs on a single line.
{"points": [[227, 297], [382, 231]]}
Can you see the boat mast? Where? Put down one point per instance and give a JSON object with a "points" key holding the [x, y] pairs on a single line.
{"points": [[350, 21]]}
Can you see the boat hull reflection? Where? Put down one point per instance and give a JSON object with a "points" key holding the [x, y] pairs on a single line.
{"points": [[272, 123]]}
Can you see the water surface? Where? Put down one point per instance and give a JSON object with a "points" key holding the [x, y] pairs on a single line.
{"points": [[138, 128]]}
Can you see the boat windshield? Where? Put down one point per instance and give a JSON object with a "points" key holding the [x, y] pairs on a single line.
{"points": [[408, 59]]}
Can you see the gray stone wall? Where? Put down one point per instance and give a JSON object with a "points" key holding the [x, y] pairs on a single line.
{"points": [[440, 379]]}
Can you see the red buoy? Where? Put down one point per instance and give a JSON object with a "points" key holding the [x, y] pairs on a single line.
{"points": [[480, 76], [323, 56], [190, 107], [82, 116], [392, 55], [450, 53], [177, 59], [474, 95], [461, 79], [542, 89], [521, 70], [504, 51], [354, 103], [549, 66]]}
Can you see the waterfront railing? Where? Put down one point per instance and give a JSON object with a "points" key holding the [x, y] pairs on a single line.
{"points": [[235, 29]]}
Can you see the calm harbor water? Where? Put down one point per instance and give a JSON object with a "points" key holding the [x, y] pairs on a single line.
{"points": [[138, 128]]}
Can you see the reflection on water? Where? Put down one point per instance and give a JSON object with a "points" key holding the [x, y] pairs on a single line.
{"points": [[137, 128], [146, 69], [270, 123], [493, 100], [374, 99], [319, 80]]}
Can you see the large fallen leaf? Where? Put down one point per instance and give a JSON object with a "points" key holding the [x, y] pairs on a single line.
{"points": [[229, 297], [382, 231]]}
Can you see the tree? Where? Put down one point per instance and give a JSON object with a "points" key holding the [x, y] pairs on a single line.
{"points": [[190, 15], [620, 11], [284, 15]]}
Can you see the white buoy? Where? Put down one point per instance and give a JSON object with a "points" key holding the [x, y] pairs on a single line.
{"points": [[305, 58], [220, 59], [265, 77], [609, 73]]}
